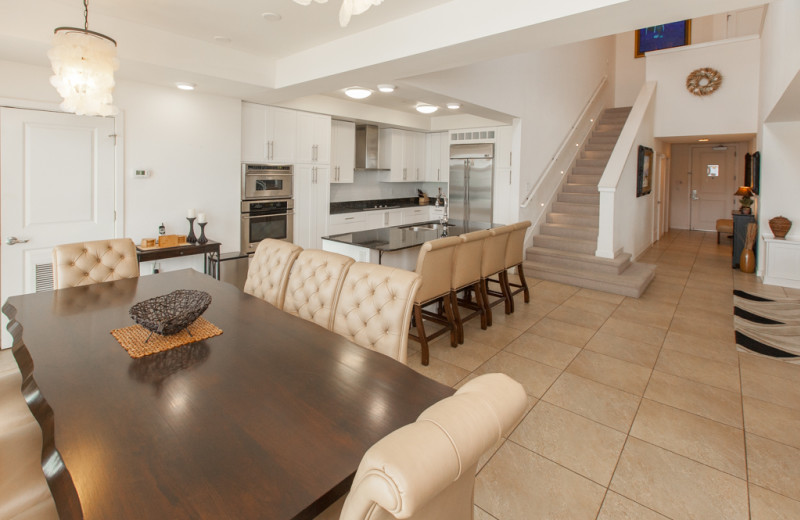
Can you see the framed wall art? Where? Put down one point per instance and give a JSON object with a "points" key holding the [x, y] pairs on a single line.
{"points": [[644, 172], [664, 36]]}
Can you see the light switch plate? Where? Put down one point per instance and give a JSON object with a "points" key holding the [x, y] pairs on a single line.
{"points": [[141, 174]]}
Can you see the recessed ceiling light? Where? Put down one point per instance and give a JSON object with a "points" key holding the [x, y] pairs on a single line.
{"points": [[703, 140], [454, 106], [271, 17], [427, 109], [222, 39], [386, 87], [358, 92], [185, 86]]}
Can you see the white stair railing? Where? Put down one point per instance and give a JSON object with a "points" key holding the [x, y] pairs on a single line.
{"points": [[540, 197]]}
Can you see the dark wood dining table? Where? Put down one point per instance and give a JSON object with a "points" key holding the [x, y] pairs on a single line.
{"points": [[268, 420]]}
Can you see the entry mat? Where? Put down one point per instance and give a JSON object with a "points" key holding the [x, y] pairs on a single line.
{"points": [[767, 327], [134, 339]]}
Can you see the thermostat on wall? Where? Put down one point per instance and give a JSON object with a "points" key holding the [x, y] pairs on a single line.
{"points": [[141, 174]]}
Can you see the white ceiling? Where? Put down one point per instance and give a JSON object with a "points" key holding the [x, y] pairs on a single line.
{"points": [[307, 55]]}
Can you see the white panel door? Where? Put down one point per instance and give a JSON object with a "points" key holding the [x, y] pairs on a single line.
{"points": [[58, 185], [712, 186]]}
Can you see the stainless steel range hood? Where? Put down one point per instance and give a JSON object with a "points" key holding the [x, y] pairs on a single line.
{"points": [[367, 147]]}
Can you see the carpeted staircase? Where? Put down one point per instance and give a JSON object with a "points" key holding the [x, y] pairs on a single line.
{"points": [[563, 251]]}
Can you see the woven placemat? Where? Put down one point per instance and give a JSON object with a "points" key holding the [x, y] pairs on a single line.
{"points": [[133, 338]]}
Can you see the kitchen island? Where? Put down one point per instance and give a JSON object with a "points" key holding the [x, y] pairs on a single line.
{"points": [[396, 246]]}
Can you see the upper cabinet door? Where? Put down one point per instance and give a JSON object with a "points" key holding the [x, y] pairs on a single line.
{"points": [[268, 134], [343, 151], [437, 164], [313, 138], [502, 152], [282, 132], [255, 146]]}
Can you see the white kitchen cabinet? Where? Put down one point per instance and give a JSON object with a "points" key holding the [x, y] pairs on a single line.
{"points": [[414, 215], [403, 154], [502, 147], [437, 157], [313, 138], [348, 223], [392, 217], [343, 151], [503, 197], [269, 134], [311, 204]]}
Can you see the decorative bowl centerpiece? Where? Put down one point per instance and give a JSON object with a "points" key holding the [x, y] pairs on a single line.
{"points": [[170, 313], [780, 226]]}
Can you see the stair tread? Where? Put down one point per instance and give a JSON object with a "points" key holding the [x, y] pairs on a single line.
{"points": [[584, 257], [571, 226], [634, 275]]}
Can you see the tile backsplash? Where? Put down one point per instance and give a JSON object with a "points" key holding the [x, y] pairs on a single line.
{"points": [[368, 185]]}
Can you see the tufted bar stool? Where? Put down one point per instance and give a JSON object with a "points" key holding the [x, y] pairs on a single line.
{"points": [[434, 264], [24, 492], [426, 470], [315, 282], [374, 308], [493, 262], [466, 274], [269, 269], [515, 255], [86, 263]]}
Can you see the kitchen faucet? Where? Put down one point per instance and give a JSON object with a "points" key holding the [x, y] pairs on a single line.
{"points": [[445, 216]]}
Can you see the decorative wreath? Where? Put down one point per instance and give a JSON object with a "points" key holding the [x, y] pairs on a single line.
{"points": [[702, 82]]}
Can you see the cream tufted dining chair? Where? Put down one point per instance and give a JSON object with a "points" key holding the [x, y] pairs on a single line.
{"points": [[426, 470], [85, 263], [24, 492], [466, 274], [515, 255], [374, 308], [268, 273], [493, 262], [314, 285], [434, 263]]}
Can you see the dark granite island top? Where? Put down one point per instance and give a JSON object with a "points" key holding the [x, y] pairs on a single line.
{"points": [[408, 235]]}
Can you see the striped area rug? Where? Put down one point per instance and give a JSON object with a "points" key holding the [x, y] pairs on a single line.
{"points": [[767, 327]]}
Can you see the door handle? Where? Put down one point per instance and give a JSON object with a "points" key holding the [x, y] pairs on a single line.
{"points": [[14, 240], [694, 195]]}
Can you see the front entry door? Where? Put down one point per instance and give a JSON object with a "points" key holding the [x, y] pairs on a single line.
{"points": [[57, 174], [712, 186]]}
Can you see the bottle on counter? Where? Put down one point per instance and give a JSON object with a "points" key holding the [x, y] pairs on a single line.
{"points": [[162, 230]]}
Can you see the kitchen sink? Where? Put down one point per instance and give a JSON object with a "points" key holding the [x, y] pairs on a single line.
{"points": [[426, 227]]}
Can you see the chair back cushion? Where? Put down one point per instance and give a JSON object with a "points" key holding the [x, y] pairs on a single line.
{"points": [[269, 270], [515, 253], [467, 259], [426, 470], [85, 263], [434, 264], [314, 285], [374, 308], [494, 251]]}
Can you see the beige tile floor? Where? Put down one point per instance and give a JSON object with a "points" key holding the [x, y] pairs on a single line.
{"points": [[639, 408]]}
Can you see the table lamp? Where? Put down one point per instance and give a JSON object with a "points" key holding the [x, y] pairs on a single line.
{"points": [[745, 193]]}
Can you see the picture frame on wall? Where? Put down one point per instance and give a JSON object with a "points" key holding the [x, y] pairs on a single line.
{"points": [[665, 36], [644, 171], [755, 167], [748, 170]]}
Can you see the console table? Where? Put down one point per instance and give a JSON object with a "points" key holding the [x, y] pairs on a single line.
{"points": [[209, 250], [740, 223]]}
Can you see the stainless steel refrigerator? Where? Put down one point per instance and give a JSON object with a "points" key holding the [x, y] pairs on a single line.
{"points": [[471, 173]]}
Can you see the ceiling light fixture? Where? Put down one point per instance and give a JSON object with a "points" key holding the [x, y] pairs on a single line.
{"points": [[271, 17], [349, 8], [427, 109], [454, 106], [83, 64], [222, 39], [185, 86], [385, 87], [703, 140], [358, 92]]}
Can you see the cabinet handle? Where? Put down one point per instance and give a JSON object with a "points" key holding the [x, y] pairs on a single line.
{"points": [[349, 218], [272, 149], [509, 177], [405, 172], [510, 154]]}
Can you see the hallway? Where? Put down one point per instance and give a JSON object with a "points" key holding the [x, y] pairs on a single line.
{"points": [[639, 408]]}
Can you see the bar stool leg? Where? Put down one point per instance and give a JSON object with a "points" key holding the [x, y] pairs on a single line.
{"points": [[485, 296], [457, 317], [423, 342], [451, 321], [506, 288], [481, 304]]}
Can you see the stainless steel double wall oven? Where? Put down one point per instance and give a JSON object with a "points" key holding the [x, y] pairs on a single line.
{"points": [[267, 204]]}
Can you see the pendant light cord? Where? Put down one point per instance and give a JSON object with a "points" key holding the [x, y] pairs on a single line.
{"points": [[86, 14]]}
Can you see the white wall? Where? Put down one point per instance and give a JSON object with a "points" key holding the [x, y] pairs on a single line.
{"points": [[780, 54], [628, 70], [732, 109], [546, 89], [189, 140]]}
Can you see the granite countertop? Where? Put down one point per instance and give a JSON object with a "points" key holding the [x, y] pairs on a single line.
{"points": [[408, 235], [376, 204]]}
